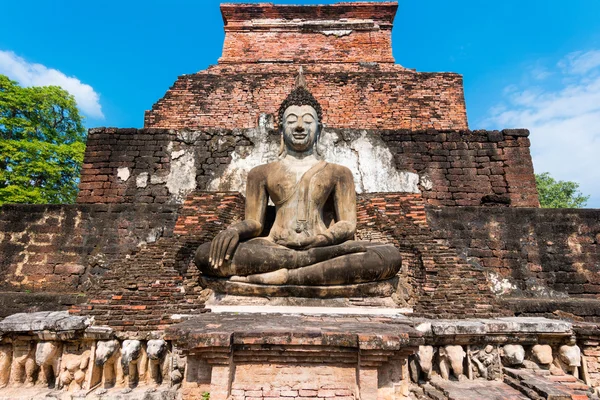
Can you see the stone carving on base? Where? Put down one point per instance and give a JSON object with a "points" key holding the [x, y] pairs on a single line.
{"points": [[311, 240], [541, 354], [486, 362], [108, 356], [159, 360], [569, 357], [512, 355], [179, 362], [5, 361], [421, 363], [23, 367], [451, 361], [73, 368], [47, 357], [133, 362]]}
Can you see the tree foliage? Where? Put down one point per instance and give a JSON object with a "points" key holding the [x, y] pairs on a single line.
{"points": [[559, 194], [42, 141]]}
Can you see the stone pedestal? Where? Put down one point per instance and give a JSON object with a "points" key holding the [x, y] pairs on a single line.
{"points": [[250, 356]]}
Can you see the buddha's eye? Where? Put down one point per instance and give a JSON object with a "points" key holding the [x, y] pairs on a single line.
{"points": [[291, 119], [308, 118]]}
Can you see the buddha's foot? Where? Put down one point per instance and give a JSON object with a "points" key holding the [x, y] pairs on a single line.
{"points": [[279, 277], [318, 254]]}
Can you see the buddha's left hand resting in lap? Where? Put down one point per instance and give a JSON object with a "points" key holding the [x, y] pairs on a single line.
{"points": [[299, 249]]}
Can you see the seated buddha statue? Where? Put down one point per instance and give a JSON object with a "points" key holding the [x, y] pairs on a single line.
{"points": [[302, 246]]}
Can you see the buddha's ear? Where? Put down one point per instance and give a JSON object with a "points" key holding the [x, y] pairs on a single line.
{"points": [[282, 151], [318, 149]]}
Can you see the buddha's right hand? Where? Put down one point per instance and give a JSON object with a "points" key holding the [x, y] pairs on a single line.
{"points": [[222, 247]]}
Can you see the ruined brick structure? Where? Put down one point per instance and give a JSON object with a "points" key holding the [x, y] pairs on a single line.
{"points": [[347, 54], [460, 205]]}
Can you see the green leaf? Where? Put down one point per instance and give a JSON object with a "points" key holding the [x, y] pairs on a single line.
{"points": [[42, 143], [559, 194]]}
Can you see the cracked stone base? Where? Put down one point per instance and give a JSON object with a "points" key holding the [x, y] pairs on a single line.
{"points": [[371, 289]]}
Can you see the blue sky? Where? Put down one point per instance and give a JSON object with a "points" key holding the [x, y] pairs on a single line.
{"points": [[526, 63]]}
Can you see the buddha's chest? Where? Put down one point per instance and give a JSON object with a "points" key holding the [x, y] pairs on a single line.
{"points": [[300, 186]]}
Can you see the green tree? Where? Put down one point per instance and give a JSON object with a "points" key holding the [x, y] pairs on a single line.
{"points": [[559, 194], [42, 141]]}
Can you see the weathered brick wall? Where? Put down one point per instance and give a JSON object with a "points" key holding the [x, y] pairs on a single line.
{"points": [[467, 165], [146, 291], [444, 285], [349, 32], [62, 247], [363, 97], [346, 53], [162, 166], [533, 248], [152, 165], [132, 296]]}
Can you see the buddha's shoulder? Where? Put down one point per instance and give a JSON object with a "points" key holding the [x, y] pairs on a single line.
{"points": [[259, 170], [340, 170]]}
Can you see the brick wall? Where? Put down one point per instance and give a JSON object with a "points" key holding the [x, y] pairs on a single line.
{"points": [[149, 160], [146, 291], [349, 32], [556, 249], [465, 166], [363, 97], [64, 247], [462, 166], [131, 297]]}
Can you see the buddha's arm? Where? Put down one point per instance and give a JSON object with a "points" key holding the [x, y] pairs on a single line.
{"points": [[256, 204], [224, 244], [344, 198]]}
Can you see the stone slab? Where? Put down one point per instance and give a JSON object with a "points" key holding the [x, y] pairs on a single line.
{"points": [[310, 310], [495, 326], [371, 289], [352, 331], [220, 299], [57, 321]]}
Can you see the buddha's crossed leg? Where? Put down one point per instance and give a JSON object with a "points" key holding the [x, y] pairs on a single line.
{"points": [[262, 261]]}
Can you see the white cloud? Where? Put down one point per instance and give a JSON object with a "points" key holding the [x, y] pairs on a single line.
{"points": [[580, 62], [31, 74], [564, 122]]}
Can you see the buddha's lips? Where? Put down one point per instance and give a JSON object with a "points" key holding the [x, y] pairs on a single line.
{"points": [[300, 135]]}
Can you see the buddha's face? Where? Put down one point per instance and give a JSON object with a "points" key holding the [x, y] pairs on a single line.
{"points": [[300, 127]]}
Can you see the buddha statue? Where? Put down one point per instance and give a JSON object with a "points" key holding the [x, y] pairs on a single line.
{"points": [[305, 245]]}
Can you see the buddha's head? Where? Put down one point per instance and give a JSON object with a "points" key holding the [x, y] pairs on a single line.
{"points": [[300, 119]]}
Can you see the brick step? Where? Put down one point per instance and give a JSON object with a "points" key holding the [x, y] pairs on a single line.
{"points": [[546, 386], [516, 384], [478, 389], [432, 393]]}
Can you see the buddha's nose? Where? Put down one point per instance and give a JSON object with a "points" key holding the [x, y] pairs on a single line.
{"points": [[299, 128]]}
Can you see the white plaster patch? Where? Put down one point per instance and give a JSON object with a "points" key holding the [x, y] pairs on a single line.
{"points": [[337, 32], [371, 163], [425, 182], [176, 154], [188, 137], [142, 180], [244, 158], [155, 179], [501, 286], [369, 159], [123, 173], [182, 176]]}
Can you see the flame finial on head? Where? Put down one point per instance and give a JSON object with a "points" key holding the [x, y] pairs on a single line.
{"points": [[300, 80], [300, 96]]}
